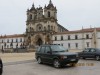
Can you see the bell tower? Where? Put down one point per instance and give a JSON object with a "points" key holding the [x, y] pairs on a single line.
{"points": [[50, 14], [31, 17], [41, 24], [31, 14], [39, 12], [50, 11]]}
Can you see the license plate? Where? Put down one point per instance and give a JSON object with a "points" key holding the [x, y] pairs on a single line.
{"points": [[73, 59]]}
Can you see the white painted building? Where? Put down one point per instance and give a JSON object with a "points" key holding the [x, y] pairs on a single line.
{"points": [[12, 41], [73, 40], [79, 39], [42, 27]]}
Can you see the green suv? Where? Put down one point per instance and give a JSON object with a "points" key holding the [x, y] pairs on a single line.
{"points": [[56, 55]]}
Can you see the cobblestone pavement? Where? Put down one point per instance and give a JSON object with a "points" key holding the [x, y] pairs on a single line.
{"points": [[31, 67]]}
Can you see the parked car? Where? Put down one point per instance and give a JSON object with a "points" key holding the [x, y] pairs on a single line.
{"points": [[90, 53], [56, 55], [1, 67]]}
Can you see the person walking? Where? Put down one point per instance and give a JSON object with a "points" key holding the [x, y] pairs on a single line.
{"points": [[1, 67]]}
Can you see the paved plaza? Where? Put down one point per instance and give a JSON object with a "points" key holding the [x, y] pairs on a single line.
{"points": [[90, 67], [14, 57], [25, 64]]}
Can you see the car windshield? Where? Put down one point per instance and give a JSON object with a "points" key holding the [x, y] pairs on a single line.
{"points": [[57, 48]]}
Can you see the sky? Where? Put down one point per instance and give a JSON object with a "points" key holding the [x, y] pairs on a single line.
{"points": [[72, 14]]}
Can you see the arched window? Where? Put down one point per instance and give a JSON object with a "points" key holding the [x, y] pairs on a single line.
{"points": [[5, 44], [44, 28], [48, 27], [87, 36], [76, 45], [76, 37], [48, 13], [69, 45], [30, 16], [8, 41], [51, 27], [17, 45], [39, 27], [11, 45], [68, 37], [30, 28], [16, 40], [12, 40], [20, 39], [2, 41], [55, 38], [61, 37], [87, 44]]}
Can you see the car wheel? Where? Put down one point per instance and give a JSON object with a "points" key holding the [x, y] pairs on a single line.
{"points": [[56, 63], [39, 60], [97, 58]]}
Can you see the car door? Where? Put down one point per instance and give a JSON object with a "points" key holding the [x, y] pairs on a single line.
{"points": [[92, 53], [85, 53], [41, 53], [48, 54]]}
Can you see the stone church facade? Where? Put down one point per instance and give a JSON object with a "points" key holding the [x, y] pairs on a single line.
{"points": [[41, 24], [42, 27]]}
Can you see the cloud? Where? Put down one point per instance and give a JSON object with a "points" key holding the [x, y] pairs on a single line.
{"points": [[72, 14]]}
